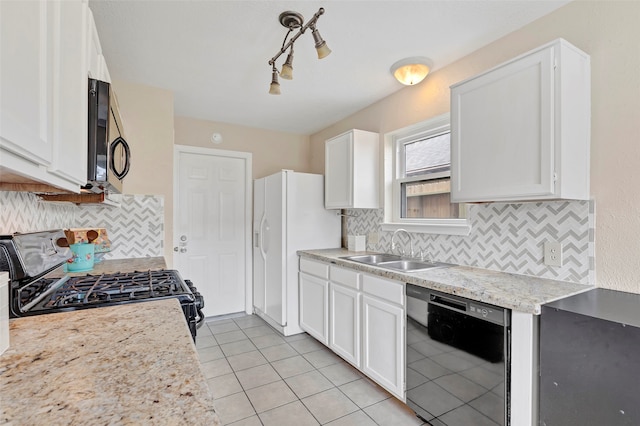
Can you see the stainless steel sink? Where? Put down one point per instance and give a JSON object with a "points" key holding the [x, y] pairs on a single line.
{"points": [[395, 262], [374, 259], [411, 265]]}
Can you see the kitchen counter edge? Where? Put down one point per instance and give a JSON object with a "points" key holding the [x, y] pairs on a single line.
{"points": [[520, 293], [66, 368]]}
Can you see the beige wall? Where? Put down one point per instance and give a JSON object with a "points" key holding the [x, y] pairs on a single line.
{"points": [[609, 32], [147, 114], [272, 151]]}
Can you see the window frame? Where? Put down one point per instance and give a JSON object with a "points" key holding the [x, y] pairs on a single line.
{"points": [[394, 166]]}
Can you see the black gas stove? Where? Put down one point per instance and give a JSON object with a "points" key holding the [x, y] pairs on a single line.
{"points": [[30, 257]]}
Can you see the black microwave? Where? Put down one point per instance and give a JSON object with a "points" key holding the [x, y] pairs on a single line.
{"points": [[109, 155]]}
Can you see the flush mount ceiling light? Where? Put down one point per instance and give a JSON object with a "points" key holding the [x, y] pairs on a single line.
{"points": [[411, 71], [293, 21]]}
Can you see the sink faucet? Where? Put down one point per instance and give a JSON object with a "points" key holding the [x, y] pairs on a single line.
{"points": [[393, 244]]}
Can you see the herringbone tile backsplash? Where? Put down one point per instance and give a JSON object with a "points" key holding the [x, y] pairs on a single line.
{"points": [[504, 237], [135, 229], [23, 212], [507, 238]]}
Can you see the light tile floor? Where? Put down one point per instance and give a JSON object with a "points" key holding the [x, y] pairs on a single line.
{"points": [[259, 377]]}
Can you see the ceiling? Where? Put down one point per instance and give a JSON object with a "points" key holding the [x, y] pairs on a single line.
{"points": [[213, 54]]}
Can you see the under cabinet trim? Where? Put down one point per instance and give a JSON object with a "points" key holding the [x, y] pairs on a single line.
{"points": [[432, 226]]}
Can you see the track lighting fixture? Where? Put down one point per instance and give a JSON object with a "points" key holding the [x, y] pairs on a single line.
{"points": [[293, 21]]}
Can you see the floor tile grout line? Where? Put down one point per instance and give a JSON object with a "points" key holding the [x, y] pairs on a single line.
{"points": [[292, 391], [255, 412], [307, 396], [315, 369]]}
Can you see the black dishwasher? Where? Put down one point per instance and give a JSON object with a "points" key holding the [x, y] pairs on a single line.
{"points": [[458, 354]]}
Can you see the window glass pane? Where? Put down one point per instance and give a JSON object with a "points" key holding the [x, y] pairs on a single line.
{"points": [[430, 199], [427, 155]]}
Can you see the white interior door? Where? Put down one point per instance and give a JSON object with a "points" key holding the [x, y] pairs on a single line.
{"points": [[212, 220]]}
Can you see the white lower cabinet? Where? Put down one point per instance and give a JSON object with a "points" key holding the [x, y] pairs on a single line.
{"points": [[383, 343], [314, 306], [344, 336], [363, 321]]}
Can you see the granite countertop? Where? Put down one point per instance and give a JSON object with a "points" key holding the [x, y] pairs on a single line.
{"points": [[112, 365], [111, 266], [517, 292]]}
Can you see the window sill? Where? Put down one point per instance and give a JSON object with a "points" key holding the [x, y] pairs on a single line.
{"points": [[432, 226]]}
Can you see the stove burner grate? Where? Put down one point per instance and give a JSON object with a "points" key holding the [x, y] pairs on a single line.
{"points": [[108, 288]]}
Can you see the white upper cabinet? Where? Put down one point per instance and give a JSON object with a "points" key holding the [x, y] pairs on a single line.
{"points": [[26, 80], [521, 131], [70, 92], [96, 63], [43, 92], [352, 175]]}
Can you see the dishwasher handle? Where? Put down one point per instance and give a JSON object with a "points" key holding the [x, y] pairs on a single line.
{"points": [[448, 303]]}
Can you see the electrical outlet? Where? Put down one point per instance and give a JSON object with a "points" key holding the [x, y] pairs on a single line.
{"points": [[552, 254], [373, 238]]}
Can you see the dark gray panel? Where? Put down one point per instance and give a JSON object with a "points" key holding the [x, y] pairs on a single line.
{"points": [[610, 305], [589, 370]]}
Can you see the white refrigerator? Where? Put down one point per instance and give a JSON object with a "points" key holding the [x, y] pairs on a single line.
{"points": [[288, 215]]}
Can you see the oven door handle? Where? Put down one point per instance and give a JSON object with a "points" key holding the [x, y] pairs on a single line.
{"points": [[200, 320]]}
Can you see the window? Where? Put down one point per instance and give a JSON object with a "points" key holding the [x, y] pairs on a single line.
{"points": [[419, 179]]}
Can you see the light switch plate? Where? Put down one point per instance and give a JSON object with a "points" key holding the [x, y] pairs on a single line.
{"points": [[552, 253]]}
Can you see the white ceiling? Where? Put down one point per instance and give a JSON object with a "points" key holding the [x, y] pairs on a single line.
{"points": [[213, 55]]}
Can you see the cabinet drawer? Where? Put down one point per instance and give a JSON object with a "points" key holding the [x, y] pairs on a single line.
{"points": [[392, 291], [346, 277], [312, 267]]}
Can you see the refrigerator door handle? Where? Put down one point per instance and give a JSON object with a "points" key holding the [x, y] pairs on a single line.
{"points": [[263, 253]]}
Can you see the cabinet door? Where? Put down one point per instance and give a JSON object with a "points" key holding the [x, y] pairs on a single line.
{"points": [[339, 172], [25, 79], [314, 307], [344, 338], [70, 91], [502, 135], [383, 344], [94, 50]]}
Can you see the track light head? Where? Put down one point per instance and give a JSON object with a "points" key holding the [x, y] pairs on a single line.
{"points": [[287, 67], [321, 45], [274, 88]]}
